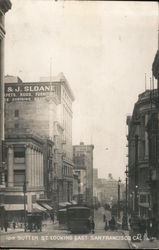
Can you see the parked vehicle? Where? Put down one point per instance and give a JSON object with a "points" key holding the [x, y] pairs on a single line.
{"points": [[78, 219]]}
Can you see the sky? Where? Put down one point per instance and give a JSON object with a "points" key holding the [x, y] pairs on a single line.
{"points": [[104, 50]]}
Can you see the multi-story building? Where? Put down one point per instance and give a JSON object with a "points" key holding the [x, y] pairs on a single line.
{"points": [[153, 135], [5, 5], [138, 155], [64, 118], [33, 109], [83, 161]]}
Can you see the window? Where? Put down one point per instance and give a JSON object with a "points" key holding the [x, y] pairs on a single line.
{"points": [[16, 113], [142, 198], [19, 177], [16, 125], [19, 155]]}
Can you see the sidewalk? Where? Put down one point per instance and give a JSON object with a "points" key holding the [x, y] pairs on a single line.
{"points": [[11, 231], [144, 244], [47, 225]]}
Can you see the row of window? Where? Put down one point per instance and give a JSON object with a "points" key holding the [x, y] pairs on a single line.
{"points": [[67, 171]]}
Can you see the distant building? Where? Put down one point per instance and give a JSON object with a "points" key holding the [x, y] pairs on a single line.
{"points": [[83, 165], [107, 190]]}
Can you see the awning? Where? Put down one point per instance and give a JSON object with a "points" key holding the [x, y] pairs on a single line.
{"points": [[144, 205], [62, 210], [74, 202], [64, 204], [45, 205], [38, 208], [14, 207]]}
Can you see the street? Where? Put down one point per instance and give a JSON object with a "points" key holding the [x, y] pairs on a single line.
{"points": [[64, 239]]}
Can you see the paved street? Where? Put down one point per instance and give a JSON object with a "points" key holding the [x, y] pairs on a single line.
{"points": [[52, 237]]}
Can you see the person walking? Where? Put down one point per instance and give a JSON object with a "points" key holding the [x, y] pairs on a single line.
{"points": [[106, 225], [112, 223], [151, 229], [142, 228], [14, 225], [92, 225], [6, 225]]}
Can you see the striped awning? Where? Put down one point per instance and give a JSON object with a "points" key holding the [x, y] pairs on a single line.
{"points": [[45, 205], [64, 204], [38, 208], [74, 202]]}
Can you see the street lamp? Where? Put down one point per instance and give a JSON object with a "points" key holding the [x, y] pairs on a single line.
{"points": [[136, 175], [24, 191], [119, 198]]}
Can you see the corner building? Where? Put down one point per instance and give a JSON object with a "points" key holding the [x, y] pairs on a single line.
{"points": [[36, 109], [138, 156]]}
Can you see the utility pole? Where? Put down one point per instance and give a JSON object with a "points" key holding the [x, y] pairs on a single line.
{"points": [[119, 198], [126, 194]]}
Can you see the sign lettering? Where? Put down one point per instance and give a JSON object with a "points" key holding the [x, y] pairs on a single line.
{"points": [[27, 92]]}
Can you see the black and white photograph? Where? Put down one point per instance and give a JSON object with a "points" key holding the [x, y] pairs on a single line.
{"points": [[79, 124]]}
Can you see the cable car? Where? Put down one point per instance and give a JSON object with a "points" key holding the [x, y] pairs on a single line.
{"points": [[78, 219]]}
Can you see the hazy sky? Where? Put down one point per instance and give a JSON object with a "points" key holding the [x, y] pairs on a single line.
{"points": [[103, 48]]}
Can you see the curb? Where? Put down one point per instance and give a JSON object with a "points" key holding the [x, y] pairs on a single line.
{"points": [[12, 232], [131, 245]]}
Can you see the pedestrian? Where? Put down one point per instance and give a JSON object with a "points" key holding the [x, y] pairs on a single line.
{"points": [[112, 223], [92, 225], [142, 228], [53, 217], [124, 220], [14, 225], [151, 229], [106, 225], [6, 225]]}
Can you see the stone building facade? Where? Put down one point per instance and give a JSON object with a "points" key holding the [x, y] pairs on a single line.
{"points": [[33, 109], [24, 165], [5, 5], [138, 156]]}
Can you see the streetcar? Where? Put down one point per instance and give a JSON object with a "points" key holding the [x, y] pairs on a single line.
{"points": [[78, 219], [34, 222]]}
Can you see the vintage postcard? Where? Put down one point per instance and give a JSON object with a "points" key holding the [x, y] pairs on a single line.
{"points": [[79, 124]]}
